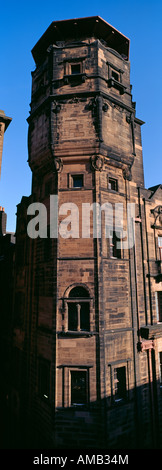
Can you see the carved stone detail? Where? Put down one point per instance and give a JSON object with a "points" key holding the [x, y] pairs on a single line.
{"points": [[127, 174], [157, 212], [97, 162], [58, 164], [56, 107]]}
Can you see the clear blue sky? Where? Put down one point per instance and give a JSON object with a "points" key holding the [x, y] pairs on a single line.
{"points": [[21, 25]]}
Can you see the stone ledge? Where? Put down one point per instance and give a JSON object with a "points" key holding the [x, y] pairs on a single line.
{"points": [[151, 331]]}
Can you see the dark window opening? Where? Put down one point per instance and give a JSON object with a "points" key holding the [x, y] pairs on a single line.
{"points": [[78, 316], [79, 388], [44, 379], [113, 184], [79, 292], [120, 391], [115, 245], [75, 69], [84, 316], [72, 317], [77, 181], [159, 306], [115, 75]]}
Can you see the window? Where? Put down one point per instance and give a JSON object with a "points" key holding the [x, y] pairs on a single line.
{"points": [[160, 247], [120, 391], [160, 365], [159, 306], [44, 379], [78, 309], [75, 69], [115, 245], [79, 389], [113, 184], [115, 75], [77, 181], [119, 380]]}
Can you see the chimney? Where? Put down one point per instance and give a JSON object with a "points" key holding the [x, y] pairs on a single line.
{"points": [[3, 221]]}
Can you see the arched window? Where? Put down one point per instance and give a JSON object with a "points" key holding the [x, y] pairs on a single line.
{"points": [[78, 304]]}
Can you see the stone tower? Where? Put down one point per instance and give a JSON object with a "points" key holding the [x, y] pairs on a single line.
{"points": [[4, 123], [86, 328]]}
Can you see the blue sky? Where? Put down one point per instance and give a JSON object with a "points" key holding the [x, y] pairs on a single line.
{"points": [[21, 25]]}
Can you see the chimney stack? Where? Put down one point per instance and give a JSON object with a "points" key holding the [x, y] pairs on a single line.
{"points": [[3, 221]]}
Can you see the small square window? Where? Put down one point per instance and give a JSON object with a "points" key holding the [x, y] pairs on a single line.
{"points": [[77, 181], [79, 395], [115, 75], [75, 69], [113, 184]]}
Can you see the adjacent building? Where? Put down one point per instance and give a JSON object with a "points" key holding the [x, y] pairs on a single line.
{"points": [[87, 355]]}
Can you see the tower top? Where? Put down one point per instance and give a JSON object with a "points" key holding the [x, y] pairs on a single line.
{"points": [[5, 119], [77, 28]]}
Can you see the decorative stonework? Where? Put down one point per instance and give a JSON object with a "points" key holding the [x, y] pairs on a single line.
{"points": [[58, 165], [97, 162], [127, 174], [157, 212]]}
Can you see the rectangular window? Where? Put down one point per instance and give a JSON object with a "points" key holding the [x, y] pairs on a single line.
{"points": [[72, 317], [79, 392], [77, 181], [115, 75], [44, 379], [160, 247], [113, 184], [115, 245], [78, 316], [160, 365], [120, 390], [159, 306], [75, 69]]}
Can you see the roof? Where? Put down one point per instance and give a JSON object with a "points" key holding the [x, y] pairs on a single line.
{"points": [[77, 28], [5, 119]]}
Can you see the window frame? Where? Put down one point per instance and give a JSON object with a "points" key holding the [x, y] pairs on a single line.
{"points": [[116, 365], [111, 178], [112, 246], [73, 64], [80, 370], [159, 238], [158, 306], [71, 180], [76, 300]]}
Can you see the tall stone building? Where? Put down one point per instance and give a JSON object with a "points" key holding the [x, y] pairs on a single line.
{"points": [[4, 123], [88, 310]]}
